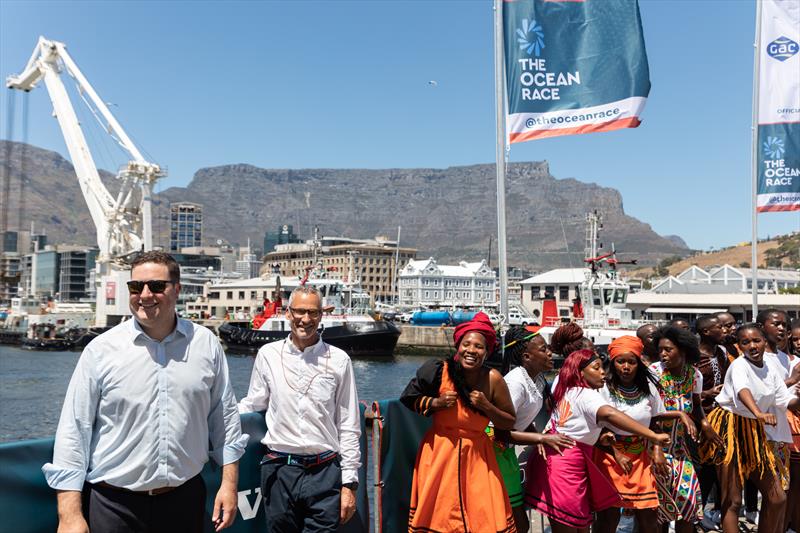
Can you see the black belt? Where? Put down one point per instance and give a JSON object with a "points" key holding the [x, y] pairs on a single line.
{"points": [[151, 492], [297, 459]]}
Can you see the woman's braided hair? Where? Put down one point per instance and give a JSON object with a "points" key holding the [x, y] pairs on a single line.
{"points": [[567, 339]]}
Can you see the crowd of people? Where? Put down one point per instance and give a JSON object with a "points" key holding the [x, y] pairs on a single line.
{"points": [[671, 427]]}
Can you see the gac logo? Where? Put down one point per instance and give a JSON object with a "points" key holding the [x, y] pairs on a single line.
{"points": [[782, 48]]}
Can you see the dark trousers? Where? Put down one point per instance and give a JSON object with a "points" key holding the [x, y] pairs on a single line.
{"points": [[112, 510], [298, 498]]}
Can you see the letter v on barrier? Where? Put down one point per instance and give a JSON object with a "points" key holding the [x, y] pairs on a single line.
{"points": [[245, 509]]}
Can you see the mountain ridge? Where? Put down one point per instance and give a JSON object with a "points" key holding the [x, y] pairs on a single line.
{"points": [[448, 213]]}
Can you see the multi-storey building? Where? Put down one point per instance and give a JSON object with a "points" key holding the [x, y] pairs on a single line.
{"points": [[429, 284], [186, 225], [373, 263], [74, 279], [284, 235]]}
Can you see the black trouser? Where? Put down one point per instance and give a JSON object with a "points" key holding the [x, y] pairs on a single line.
{"points": [[113, 510], [299, 498]]}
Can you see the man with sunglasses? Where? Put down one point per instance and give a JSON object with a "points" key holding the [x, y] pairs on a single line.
{"points": [[309, 474], [148, 404]]}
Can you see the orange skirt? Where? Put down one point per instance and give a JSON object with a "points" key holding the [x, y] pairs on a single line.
{"points": [[457, 485], [637, 489], [794, 424]]}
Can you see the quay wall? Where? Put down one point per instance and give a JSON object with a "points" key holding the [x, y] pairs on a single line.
{"points": [[424, 340]]}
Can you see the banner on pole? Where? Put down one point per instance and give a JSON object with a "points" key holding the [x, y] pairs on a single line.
{"points": [[573, 66], [779, 107]]}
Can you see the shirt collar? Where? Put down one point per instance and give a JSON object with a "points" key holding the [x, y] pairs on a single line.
{"points": [[182, 327], [294, 349]]}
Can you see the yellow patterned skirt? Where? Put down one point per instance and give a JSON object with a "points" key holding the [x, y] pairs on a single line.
{"points": [[744, 441]]}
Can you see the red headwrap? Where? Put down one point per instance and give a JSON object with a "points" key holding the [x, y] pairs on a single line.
{"points": [[625, 344], [480, 323]]}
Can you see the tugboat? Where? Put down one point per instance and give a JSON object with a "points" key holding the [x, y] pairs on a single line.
{"points": [[347, 322], [600, 309]]}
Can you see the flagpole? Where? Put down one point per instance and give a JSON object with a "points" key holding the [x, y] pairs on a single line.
{"points": [[500, 149], [754, 158]]}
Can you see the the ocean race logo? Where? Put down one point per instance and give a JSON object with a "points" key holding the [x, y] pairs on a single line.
{"points": [[774, 147], [782, 48], [530, 37], [537, 82], [776, 173]]}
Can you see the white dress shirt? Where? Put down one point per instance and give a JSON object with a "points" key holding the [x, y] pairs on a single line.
{"points": [[311, 401], [142, 414]]}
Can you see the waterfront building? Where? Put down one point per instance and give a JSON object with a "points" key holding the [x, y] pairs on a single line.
{"points": [[727, 279], [186, 228], [10, 273], [560, 284], [46, 267], [371, 263], [284, 235], [428, 284], [648, 305], [75, 279]]}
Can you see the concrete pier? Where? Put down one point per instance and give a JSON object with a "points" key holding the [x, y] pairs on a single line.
{"points": [[424, 340]]}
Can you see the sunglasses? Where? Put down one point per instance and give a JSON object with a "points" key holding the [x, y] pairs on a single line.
{"points": [[156, 286]]}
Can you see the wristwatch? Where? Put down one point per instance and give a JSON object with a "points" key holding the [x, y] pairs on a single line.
{"points": [[353, 485]]}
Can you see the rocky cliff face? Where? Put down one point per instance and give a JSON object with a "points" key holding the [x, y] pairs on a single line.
{"points": [[447, 213]]}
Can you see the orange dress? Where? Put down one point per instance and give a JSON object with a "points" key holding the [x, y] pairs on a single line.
{"points": [[457, 484]]}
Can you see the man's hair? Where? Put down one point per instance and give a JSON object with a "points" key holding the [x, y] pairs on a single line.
{"points": [[305, 289], [704, 322], [764, 315], [160, 258], [676, 321]]}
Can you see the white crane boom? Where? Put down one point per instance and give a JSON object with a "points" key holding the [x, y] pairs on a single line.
{"points": [[123, 225]]}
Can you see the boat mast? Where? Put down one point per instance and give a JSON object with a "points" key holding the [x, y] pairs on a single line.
{"points": [[500, 155]]}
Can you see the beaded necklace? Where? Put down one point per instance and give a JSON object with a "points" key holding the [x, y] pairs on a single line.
{"points": [[627, 395]]}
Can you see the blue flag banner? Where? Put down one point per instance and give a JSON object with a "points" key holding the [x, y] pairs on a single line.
{"points": [[778, 109], [573, 66]]}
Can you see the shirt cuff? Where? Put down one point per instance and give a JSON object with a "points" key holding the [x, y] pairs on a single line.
{"points": [[63, 478], [349, 475], [232, 452]]}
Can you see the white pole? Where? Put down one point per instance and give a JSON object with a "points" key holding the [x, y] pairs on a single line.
{"points": [[500, 149], [395, 281], [754, 158]]}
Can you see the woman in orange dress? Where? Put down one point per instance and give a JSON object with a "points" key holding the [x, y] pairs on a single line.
{"points": [[457, 484]]}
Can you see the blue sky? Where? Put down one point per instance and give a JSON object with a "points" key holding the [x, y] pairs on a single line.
{"points": [[306, 84]]}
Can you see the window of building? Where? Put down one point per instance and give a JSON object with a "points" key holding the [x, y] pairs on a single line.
{"points": [[241, 295], [427, 294], [535, 289], [563, 292], [549, 291], [230, 295]]}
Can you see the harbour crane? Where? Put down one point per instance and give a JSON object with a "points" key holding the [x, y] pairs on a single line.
{"points": [[122, 222]]}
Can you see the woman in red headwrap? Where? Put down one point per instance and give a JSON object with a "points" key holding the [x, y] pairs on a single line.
{"points": [[457, 484], [624, 458]]}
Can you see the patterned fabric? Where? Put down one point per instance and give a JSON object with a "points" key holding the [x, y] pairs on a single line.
{"points": [[679, 491], [782, 451], [744, 443]]}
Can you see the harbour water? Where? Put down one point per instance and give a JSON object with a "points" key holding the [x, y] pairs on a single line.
{"points": [[33, 385]]}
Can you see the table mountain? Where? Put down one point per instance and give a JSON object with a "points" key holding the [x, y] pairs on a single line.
{"points": [[447, 213]]}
